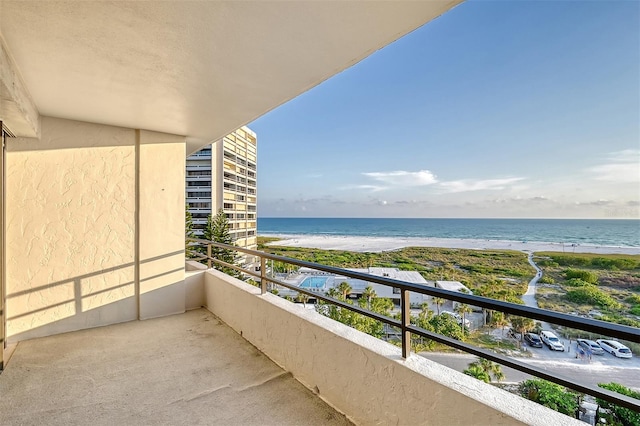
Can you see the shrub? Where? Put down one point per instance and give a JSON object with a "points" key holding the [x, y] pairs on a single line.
{"points": [[576, 282], [591, 295], [587, 276], [635, 299], [550, 395], [619, 415], [635, 310], [614, 264], [546, 279]]}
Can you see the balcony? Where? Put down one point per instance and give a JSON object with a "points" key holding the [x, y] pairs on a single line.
{"points": [[92, 222], [183, 369], [249, 357]]}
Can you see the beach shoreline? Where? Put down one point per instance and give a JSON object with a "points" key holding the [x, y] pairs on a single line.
{"points": [[380, 244]]}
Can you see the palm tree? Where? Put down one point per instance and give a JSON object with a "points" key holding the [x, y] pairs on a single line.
{"points": [[333, 292], [478, 372], [500, 320], [369, 293], [439, 301], [345, 289], [492, 369], [303, 298], [483, 369], [522, 325], [463, 309]]}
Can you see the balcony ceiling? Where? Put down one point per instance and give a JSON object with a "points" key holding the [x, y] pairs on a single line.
{"points": [[199, 69]]}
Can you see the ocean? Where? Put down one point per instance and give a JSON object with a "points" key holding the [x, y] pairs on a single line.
{"points": [[597, 232]]}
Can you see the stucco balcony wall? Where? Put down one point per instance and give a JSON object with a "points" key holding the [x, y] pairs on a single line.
{"points": [[94, 227], [359, 375]]}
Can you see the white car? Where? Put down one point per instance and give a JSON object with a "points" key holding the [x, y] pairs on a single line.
{"points": [[458, 318], [615, 348], [551, 340]]}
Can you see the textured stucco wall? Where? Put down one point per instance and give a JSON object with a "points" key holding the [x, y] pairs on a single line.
{"points": [[362, 376], [161, 224], [71, 224]]}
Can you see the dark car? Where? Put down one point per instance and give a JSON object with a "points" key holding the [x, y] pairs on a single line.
{"points": [[533, 340]]}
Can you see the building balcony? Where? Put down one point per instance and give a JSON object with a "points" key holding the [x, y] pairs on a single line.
{"points": [[183, 369], [240, 355]]}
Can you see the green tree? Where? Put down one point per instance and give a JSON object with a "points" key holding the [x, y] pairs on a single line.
{"points": [[522, 325], [188, 227], [550, 395], [483, 369], [499, 319], [345, 289], [303, 298], [476, 371], [494, 369], [352, 319], [617, 414], [369, 293], [463, 309], [438, 301], [447, 326], [217, 230]]}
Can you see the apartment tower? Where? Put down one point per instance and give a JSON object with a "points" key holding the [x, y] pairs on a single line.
{"points": [[223, 175]]}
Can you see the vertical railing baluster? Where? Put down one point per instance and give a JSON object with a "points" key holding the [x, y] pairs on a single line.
{"points": [[263, 276], [209, 255], [405, 314]]}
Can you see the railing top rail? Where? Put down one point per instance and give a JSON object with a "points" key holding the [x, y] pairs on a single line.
{"points": [[587, 324]]}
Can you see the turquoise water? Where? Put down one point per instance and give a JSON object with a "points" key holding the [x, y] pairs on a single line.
{"points": [[313, 282], [597, 232]]}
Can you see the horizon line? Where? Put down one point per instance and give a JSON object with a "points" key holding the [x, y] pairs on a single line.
{"points": [[454, 218]]}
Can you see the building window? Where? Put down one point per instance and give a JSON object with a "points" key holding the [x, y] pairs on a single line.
{"points": [[199, 194], [199, 183]]}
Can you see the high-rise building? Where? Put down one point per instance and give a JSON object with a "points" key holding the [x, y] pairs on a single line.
{"points": [[223, 176]]}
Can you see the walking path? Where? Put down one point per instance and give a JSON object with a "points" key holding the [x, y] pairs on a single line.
{"points": [[529, 298]]}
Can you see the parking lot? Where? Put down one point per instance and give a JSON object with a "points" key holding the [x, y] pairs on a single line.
{"points": [[599, 369]]}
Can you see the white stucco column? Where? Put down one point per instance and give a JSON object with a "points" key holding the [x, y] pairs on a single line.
{"points": [[161, 223]]}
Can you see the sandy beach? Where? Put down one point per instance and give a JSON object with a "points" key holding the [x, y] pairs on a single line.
{"points": [[378, 244]]}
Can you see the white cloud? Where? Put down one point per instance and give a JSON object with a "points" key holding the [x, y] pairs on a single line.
{"points": [[404, 178], [622, 166], [372, 188], [466, 185]]}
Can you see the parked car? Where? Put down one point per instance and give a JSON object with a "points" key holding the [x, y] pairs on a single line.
{"points": [[458, 318], [551, 340], [533, 340], [615, 348], [590, 345]]}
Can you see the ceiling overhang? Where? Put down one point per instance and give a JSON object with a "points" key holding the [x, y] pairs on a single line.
{"points": [[198, 69]]}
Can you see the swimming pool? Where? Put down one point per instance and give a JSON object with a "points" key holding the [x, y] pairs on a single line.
{"points": [[314, 282]]}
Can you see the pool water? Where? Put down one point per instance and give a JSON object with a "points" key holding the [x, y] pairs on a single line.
{"points": [[313, 282]]}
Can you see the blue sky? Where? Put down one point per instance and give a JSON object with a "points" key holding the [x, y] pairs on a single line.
{"points": [[495, 109]]}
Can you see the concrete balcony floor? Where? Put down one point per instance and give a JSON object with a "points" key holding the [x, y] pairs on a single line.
{"points": [[183, 369]]}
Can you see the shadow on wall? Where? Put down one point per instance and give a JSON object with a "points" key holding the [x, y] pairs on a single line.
{"points": [[104, 297]]}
